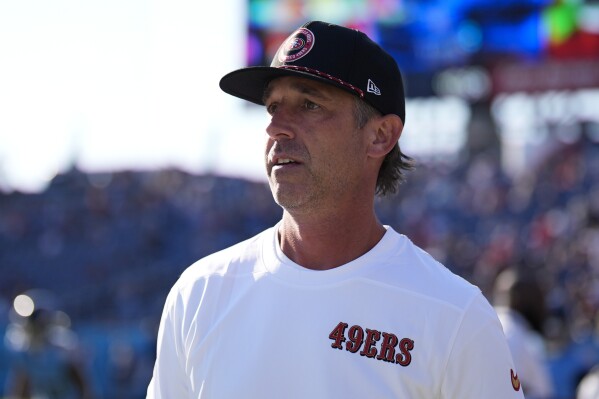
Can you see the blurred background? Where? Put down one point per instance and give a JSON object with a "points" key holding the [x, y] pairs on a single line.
{"points": [[121, 163]]}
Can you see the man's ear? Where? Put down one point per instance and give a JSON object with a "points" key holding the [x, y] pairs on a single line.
{"points": [[385, 133]]}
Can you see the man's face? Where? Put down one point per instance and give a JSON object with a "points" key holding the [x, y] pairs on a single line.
{"points": [[315, 153]]}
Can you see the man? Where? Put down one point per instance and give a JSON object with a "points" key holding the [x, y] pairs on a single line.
{"points": [[329, 303], [520, 305]]}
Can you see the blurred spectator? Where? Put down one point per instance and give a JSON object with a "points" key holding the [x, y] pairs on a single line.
{"points": [[520, 305], [44, 362]]}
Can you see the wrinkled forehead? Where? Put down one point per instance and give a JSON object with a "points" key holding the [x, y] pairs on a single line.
{"points": [[304, 86]]}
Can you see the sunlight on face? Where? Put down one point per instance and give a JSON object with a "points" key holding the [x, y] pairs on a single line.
{"points": [[314, 154]]}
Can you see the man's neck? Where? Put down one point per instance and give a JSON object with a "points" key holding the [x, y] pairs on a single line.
{"points": [[322, 243]]}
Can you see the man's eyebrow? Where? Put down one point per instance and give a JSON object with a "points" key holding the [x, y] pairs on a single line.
{"points": [[266, 94], [299, 87]]}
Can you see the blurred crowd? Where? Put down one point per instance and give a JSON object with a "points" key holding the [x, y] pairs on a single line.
{"points": [[109, 246]]}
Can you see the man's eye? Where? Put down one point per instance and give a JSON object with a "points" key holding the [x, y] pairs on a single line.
{"points": [[310, 105], [271, 108]]}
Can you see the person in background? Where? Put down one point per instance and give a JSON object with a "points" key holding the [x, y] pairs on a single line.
{"points": [[44, 351], [520, 304]]}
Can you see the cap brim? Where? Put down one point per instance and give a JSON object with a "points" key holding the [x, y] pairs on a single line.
{"points": [[249, 83]]}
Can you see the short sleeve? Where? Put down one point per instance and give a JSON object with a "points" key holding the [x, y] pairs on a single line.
{"points": [[480, 363], [169, 379]]}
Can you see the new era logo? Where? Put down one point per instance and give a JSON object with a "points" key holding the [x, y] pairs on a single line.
{"points": [[371, 88]]}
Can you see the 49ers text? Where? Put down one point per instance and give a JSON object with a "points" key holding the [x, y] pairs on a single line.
{"points": [[372, 343]]}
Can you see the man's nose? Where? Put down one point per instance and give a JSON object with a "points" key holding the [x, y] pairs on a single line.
{"points": [[282, 123]]}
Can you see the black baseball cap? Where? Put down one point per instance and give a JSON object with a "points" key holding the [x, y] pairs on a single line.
{"points": [[332, 54]]}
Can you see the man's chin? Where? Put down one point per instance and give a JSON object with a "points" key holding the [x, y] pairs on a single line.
{"points": [[288, 202], [288, 197]]}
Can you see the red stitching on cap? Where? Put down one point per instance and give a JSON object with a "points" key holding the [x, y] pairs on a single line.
{"points": [[326, 75]]}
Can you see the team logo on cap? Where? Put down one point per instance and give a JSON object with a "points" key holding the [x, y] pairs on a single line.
{"points": [[296, 46]]}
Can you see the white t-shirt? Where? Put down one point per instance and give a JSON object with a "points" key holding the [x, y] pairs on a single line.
{"points": [[247, 322]]}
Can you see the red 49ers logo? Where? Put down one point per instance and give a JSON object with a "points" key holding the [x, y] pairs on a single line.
{"points": [[297, 45], [372, 343]]}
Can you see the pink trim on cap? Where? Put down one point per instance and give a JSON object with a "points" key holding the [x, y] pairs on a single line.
{"points": [[325, 75]]}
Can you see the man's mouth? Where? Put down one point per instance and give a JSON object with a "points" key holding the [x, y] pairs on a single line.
{"points": [[284, 161]]}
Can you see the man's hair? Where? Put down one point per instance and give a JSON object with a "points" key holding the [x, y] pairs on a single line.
{"points": [[391, 174]]}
